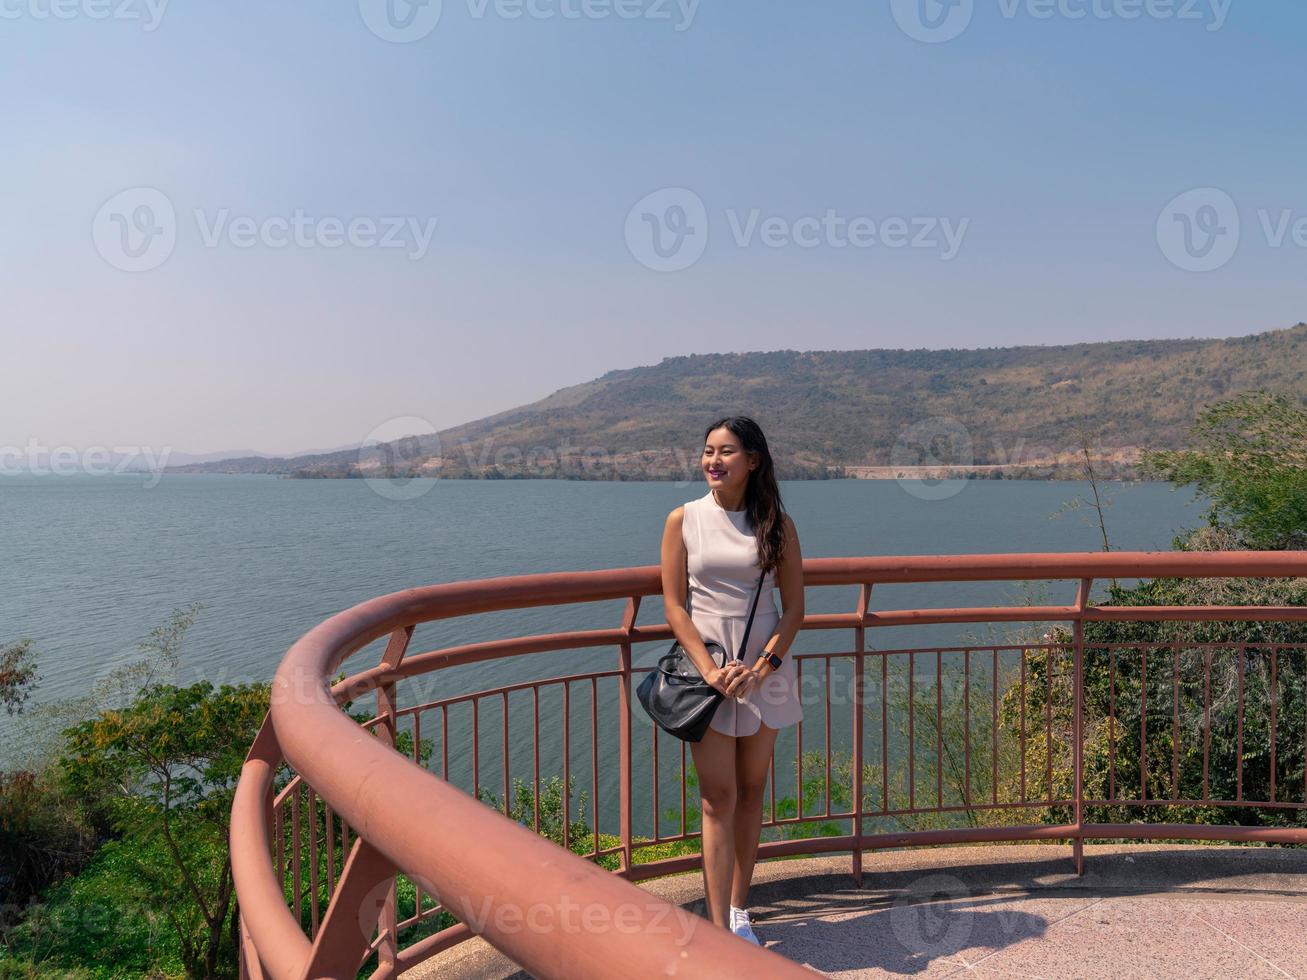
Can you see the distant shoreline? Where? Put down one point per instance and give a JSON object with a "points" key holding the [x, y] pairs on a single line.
{"points": [[1049, 472]]}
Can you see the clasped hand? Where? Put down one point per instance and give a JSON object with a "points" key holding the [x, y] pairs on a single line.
{"points": [[735, 679]]}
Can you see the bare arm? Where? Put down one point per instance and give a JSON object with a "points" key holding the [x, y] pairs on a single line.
{"points": [[789, 578], [675, 588]]}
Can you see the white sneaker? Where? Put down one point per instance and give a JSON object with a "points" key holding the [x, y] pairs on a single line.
{"points": [[741, 926]]}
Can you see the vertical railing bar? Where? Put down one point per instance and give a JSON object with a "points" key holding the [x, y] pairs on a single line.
{"points": [[313, 861], [1048, 721], [683, 789], [830, 663], [859, 678], [476, 745], [331, 849], [444, 742], [771, 786], [594, 762], [417, 758], [966, 728], [1274, 698], [939, 728], [1078, 720], [625, 774], [885, 733], [657, 831], [1239, 750], [1111, 723], [912, 760], [281, 843], [1175, 720], [507, 793], [625, 804], [1143, 723], [297, 888], [859, 672], [344, 843], [798, 745], [1207, 719], [1023, 725], [993, 730], [567, 765], [535, 756]]}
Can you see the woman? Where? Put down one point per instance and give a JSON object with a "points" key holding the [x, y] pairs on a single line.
{"points": [[714, 549]]}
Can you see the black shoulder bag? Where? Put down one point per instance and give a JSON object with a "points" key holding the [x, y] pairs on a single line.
{"points": [[676, 696]]}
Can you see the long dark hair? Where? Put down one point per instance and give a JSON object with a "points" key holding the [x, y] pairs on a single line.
{"points": [[762, 497]]}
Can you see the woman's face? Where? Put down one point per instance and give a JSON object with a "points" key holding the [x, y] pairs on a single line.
{"points": [[725, 463]]}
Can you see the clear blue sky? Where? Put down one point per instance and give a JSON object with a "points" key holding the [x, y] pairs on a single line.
{"points": [[1058, 140]]}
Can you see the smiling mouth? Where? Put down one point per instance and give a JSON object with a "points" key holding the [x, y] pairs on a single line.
{"points": [[717, 474]]}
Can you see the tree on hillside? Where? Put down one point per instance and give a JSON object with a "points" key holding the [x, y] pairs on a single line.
{"points": [[165, 769], [1249, 455]]}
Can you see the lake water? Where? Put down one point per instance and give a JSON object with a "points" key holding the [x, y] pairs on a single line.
{"points": [[91, 563]]}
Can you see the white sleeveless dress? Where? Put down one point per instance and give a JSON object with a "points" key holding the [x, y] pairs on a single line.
{"points": [[722, 570]]}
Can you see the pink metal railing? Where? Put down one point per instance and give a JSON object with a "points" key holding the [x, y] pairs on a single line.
{"points": [[397, 822]]}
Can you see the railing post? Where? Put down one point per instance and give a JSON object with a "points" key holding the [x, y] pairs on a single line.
{"points": [[357, 907], [1078, 723], [624, 732], [860, 646], [388, 922]]}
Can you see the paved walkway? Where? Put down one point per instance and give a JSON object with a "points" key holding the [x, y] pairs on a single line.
{"points": [[1140, 911]]}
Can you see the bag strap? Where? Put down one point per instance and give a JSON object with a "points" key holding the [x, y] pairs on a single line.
{"points": [[744, 644]]}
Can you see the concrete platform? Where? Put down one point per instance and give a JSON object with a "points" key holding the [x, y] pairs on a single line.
{"points": [[1139, 911]]}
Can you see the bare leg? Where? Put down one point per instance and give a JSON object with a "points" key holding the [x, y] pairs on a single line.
{"points": [[752, 759], [714, 762]]}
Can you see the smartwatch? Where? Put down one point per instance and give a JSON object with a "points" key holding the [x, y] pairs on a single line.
{"points": [[774, 660]]}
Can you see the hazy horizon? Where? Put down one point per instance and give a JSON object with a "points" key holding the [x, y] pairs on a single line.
{"points": [[183, 455]]}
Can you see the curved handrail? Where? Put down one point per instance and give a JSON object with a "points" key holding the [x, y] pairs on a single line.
{"points": [[374, 788]]}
